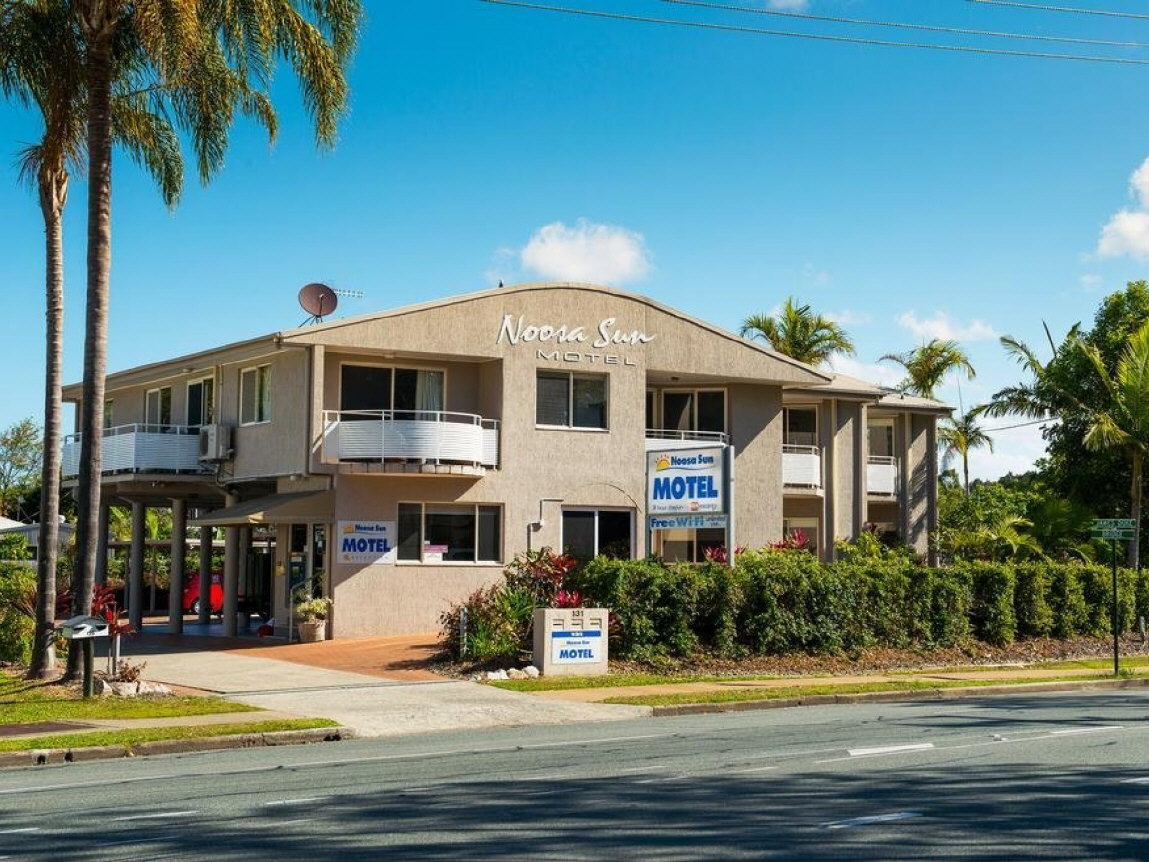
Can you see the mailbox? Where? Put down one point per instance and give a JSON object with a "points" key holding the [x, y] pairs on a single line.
{"points": [[83, 627], [571, 641]]}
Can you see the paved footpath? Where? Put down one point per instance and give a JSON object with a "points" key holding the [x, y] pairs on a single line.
{"points": [[388, 695]]}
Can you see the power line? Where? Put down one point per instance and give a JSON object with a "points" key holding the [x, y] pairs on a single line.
{"points": [[1044, 421], [903, 25], [1041, 7], [822, 37]]}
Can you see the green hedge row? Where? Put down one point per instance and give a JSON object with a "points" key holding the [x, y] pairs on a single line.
{"points": [[785, 601]]}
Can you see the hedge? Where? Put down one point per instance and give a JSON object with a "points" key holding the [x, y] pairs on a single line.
{"points": [[785, 601]]}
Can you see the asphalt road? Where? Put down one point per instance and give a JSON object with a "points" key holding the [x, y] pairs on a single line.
{"points": [[1055, 776]]}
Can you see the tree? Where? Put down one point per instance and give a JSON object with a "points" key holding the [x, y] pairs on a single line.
{"points": [[192, 50], [1121, 420], [959, 436], [20, 453], [41, 64], [799, 333], [928, 364]]}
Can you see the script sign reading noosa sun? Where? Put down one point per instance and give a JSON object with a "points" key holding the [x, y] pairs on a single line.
{"points": [[685, 480]]}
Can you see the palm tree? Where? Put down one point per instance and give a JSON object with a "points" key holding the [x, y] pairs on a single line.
{"points": [[928, 364], [1123, 420], [41, 63], [193, 51], [799, 333], [959, 436]]}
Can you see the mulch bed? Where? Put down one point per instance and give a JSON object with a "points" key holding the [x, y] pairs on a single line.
{"points": [[975, 654]]}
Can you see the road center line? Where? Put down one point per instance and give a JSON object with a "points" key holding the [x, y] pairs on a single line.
{"points": [[298, 801], [1098, 729], [157, 816], [19, 831], [889, 749]]}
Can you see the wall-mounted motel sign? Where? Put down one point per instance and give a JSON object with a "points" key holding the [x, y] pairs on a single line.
{"points": [[684, 481], [366, 542]]}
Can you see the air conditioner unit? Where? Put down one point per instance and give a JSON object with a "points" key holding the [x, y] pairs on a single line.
{"points": [[215, 442]]}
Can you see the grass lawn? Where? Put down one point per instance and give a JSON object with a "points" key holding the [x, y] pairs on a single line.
{"points": [[23, 701], [743, 695], [1129, 662], [134, 736]]}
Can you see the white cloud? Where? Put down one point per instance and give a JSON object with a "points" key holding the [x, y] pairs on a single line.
{"points": [[587, 252], [789, 5], [881, 375], [1091, 281], [942, 326], [1014, 451], [849, 318], [1127, 232]]}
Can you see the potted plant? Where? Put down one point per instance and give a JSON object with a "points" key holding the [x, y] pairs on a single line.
{"points": [[312, 615]]}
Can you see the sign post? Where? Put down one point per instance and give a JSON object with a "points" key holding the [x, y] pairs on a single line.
{"points": [[1115, 530]]}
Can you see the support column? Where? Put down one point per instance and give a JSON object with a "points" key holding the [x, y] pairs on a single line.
{"points": [[206, 535], [230, 573], [176, 579], [102, 543], [136, 567]]}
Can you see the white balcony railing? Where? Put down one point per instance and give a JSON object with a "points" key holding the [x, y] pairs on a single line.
{"points": [[882, 475], [665, 438], [802, 466], [433, 436], [140, 449]]}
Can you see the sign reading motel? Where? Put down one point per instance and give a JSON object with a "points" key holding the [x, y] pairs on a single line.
{"points": [[682, 481]]}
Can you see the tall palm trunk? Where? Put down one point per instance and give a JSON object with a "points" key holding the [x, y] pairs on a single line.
{"points": [[1134, 553], [99, 78], [53, 188], [965, 469]]}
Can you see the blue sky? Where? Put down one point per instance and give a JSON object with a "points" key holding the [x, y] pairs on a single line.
{"points": [[908, 193]]}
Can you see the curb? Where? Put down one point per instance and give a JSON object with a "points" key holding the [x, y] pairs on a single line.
{"points": [[897, 696], [51, 756]]}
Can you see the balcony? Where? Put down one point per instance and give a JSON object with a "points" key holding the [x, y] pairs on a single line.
{"points": [[664, 438], [802, 466], [882, 475], [140, 449], [426, 441]]}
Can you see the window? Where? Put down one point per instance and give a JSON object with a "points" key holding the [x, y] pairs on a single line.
{"points": [[109, 412], [450, 533], [255, 395], [158, 406], [801, 426], [589, 533], [692, 410], [689, 545], [367, 387], [201, 402], [571, 400], [881, 434]]}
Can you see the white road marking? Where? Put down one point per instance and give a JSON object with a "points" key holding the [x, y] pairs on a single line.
{"points": [[299, 801], [1144, 780], [19, 831], [754, 769], [159, 815], [132, 841], [889, 749], [875, 818], [1098, 729]]}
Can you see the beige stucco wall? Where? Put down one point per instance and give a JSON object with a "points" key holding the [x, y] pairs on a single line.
{"points": [[280, 446]]}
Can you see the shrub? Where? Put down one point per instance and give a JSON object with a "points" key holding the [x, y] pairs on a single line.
{"points": [[991, 607], [1030, 600], [1066, 601], [17, 612], [497, 622]]}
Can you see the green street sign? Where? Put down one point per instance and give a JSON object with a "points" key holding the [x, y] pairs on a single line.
{"points": [[1114, 524], [1118, 535]]}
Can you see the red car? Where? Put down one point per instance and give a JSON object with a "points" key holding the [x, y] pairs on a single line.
{"points": [[191, 593]]}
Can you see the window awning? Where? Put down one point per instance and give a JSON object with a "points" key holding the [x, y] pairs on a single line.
{"points": [[308, 507]]}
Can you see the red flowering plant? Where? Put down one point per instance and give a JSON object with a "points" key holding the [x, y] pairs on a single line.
{"points": [[719, 553], [104, 606], [540, 573], [795, 540]]}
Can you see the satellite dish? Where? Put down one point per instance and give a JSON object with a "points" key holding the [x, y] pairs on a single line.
{"points": [[317, 300]]}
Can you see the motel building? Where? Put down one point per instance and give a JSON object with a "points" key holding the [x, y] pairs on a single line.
{"points": [[395, 461]]}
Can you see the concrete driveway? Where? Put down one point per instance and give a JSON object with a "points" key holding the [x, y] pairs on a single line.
{"points": [[393, 697]]}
